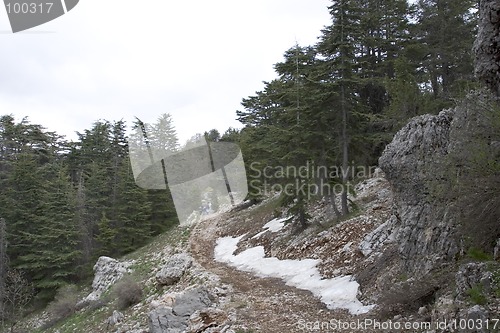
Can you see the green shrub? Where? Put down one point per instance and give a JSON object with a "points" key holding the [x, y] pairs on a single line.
{"points": [[64, 303], [127, 292], [476, 295], [479, 255]]}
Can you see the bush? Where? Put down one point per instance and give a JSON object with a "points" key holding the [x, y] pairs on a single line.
{"points": [[64, 303], [127, 292], [476, 295]]}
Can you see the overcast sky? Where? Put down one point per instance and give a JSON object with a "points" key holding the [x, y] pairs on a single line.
{"points": [[116, 59]]}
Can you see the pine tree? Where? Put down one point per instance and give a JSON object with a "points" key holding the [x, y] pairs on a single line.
{"points": [[51, 262], [106, 237], [447, 60], [134, 213]]}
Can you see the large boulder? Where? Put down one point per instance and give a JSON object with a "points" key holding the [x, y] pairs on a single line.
{"points": [[107, 272], [174, 269], [164, 319], [427, 164], [190, 301], [413, 162]]}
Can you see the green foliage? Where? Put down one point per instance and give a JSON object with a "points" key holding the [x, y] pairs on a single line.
{"points": [[476, 295], [479, 255], [64, 303]]}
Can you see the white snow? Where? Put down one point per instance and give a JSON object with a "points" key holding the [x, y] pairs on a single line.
{"points": [[336, 293], [272, 226]]}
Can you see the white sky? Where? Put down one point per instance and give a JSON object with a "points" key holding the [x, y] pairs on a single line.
{"points": [[116, 59]]}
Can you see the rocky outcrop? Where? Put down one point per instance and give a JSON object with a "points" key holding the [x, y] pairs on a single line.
{"points": [[487, 45], [413, 163], [424, 163], [174, 269], [165, 319], [107, 272]]}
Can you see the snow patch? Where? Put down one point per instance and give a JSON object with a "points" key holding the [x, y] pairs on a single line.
{"points": [[272, 226], [336, 293]]}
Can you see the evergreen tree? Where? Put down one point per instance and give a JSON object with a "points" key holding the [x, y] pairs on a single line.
{"points": [[445, 60], [134, 212], [51, 261]]}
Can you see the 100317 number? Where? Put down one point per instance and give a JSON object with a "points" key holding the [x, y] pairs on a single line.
{"points": [[29, 8]]}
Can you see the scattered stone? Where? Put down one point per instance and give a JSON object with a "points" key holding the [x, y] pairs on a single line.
{"points": [[114, 319], [174, 269]]}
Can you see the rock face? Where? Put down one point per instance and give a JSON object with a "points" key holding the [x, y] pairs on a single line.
{"points": [[174, 269], [175, 319], [422, 163], [107, 272], [412, 163], [487, 45]]}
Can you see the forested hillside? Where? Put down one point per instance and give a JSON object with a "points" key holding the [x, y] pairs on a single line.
{"points": [[63, 204]]}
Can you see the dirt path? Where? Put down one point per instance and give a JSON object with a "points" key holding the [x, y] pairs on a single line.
{"points": [[261, 304]]}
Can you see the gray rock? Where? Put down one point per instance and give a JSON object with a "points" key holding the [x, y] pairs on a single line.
{"points": [[107, 272], [376, 239], [163, 320], [422, 310], [174, 269], [496, 250], [412, 162], [190, 301], [474, 315], [114, 319], [472, 275]]}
